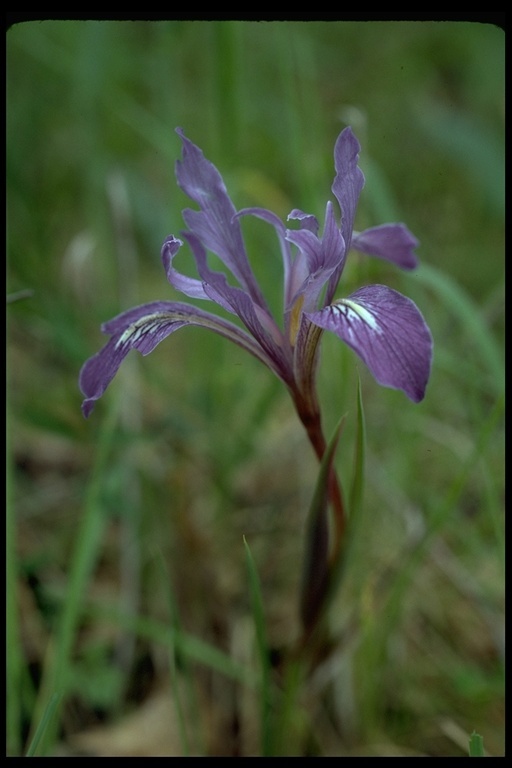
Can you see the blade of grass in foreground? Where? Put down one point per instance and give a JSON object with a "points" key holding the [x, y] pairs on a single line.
{"points": [[189, 646], [441, 513], [317, 580], [355, 506], [390, 608], [460, 304], [357, 487], [262, 646], [476, 745], [46, 719], [56, 672], [176, 640]]}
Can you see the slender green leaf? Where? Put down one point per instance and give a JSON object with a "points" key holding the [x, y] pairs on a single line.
{"points": [[348, 551], [357, 488], [315, 574], [290, 716], [175, 640], [185, 644], [48, 715]]}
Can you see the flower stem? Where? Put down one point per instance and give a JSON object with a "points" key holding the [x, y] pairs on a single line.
{"points": [[324, 542], [312, 423]]}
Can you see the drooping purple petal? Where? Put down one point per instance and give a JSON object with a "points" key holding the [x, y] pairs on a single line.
{"points": [[388, 332], [215, 223], [347, 186], [143, 328], [393, 242]]}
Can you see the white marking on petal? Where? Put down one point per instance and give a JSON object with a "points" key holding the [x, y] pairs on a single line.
{"points": [[141, 327], [351, 308]]}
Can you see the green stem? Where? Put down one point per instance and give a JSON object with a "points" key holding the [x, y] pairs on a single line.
{"points": [[323, 543], [312, 423]]}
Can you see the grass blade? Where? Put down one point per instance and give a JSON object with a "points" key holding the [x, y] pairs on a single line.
{"points": [[357, 488], [175, 640], [46, 719], [187, 645], [460, 304], [476, 745], [262, 647], [316, 577], [56, 672]]}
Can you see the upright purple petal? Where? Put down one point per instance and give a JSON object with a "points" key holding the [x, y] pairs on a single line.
{"points": [[215, 223], [321, 253], [388, 333], [322, 256], [347, 186], [349, 180], [393, 242]]}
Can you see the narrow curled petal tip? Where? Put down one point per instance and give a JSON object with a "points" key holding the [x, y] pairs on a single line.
{"points": [[88, 407]]}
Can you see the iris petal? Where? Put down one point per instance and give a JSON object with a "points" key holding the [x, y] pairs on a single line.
{"points": [[143, 328], [388, 333], [321, 255], [393, 242], [347, 186], [215, 224], [190, 286]]}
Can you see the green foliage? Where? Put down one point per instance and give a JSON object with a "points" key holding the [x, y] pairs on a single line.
{"points": [[263, 654], [476, 745], [196, 446]]}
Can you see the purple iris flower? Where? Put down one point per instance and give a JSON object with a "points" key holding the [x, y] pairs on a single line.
{"points": [[382, 326]]}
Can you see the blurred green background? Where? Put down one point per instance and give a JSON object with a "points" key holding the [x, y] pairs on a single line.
{"points": [[132, 522]]}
